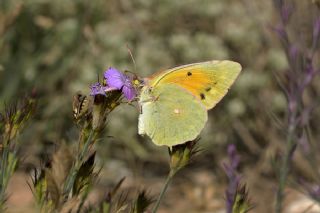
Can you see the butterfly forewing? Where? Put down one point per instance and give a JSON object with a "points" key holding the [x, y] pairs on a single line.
{"points": [[207, 81]]}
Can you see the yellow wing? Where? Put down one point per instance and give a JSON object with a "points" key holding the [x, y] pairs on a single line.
{"points": [[208, 81]]}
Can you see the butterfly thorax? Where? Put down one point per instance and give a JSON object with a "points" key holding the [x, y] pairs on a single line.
{"points": [[146, 94]]}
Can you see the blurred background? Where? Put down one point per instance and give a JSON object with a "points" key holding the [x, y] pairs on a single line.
{"points": [[57, 48]]}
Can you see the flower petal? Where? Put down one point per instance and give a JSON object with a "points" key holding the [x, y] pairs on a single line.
{"points": [[129, 92], [114, 78], [97, 89]]}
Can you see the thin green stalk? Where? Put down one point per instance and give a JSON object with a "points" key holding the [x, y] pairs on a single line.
{"points": [[8, 164], [4, 169], [163, 191], [285, 167], [74, 170]]}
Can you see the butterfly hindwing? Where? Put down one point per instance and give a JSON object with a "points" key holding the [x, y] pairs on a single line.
{"points": [[170, 115]]}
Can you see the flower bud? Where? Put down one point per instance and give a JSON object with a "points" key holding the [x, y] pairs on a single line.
{"points": [[181, 155]]}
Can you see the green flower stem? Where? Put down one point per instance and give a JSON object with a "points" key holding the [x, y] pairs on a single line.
{"points": [[3, 174], [8, 165], [74, 170], [285, 167], [164, 189]]}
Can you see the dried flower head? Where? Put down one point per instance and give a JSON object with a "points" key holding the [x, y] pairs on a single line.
{"points": [[15, 117], [142, 202]]}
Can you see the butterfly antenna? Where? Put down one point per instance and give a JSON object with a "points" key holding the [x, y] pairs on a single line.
{"points": [[135, 68], [132, 58]]}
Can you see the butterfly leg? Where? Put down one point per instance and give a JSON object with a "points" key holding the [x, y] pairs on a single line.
{"points": [[150, 100]]}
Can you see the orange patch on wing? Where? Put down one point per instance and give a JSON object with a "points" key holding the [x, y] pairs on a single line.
{"points": [[193, 80]]}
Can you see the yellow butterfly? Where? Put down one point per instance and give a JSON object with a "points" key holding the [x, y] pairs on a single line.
{"points": [[174, 102]]}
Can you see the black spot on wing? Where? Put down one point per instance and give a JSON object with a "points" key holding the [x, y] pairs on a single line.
{"points": [[208, 89], [189, 73], [202, 96]]}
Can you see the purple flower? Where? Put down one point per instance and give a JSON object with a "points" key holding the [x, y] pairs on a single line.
{"points": [[115, 80], [233, 176], [98, 89], [118, 80], [285, 13], [316, 31]]}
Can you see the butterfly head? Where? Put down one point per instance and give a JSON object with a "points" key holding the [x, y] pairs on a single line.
{"points": [[137, 82]]}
